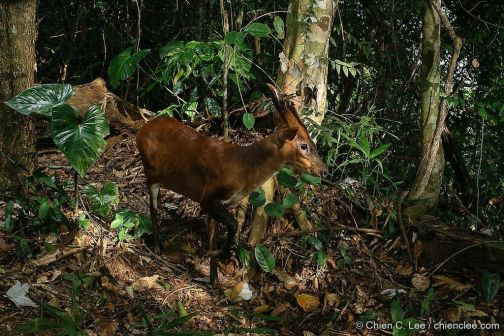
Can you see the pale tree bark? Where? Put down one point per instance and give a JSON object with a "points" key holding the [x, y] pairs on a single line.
{"points": [[17, 69], [424, 194], [303, 69]]}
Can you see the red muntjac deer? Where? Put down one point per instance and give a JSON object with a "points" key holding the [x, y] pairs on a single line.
{"points": [[213, 173]]}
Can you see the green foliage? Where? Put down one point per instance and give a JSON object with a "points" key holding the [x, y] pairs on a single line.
{"points": [[347, 260], [165, 323], [320, 254], [264, 258], [490, 284], [257, 29], [79, 138], [356, 150], [124, 64], [102, 201], [41, 99], [257, 197], [40, 207], [426, 303], [402, 326], [130, 225], [274, 209], [279, 26], [248, 120], [67, 322]]}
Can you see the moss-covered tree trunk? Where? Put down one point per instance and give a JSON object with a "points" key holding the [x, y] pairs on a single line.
{"points": [[303, 68], [17, 68], [424, 194]]}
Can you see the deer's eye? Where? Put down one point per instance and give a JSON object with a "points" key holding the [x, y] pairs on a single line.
{"points": [[304, 147]]}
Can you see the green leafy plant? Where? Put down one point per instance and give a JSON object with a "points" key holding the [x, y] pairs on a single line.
{"points": [[103, 200], [65, 322], [124, 64], [320, 254], [426, 302], [80, 138], [402, 326], [130, 225], [165, 323], [264, 258], [286, 178], [490, 284]]}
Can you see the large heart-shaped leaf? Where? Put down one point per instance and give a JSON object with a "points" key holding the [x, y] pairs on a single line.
{"points": [[41, 98], [79, 138], [124, 64]]}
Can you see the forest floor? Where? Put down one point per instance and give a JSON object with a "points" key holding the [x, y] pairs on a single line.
{"points": [[120, 286]]}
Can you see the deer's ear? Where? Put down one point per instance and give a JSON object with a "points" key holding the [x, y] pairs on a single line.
{"points": [[287, 134]]}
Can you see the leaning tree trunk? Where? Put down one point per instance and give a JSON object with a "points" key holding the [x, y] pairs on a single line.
{"points": [[17, 68], [303, 69], [424, 194]]}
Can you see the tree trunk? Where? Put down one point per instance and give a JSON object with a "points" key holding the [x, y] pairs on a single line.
{"points": [[17, 69], [304, 61], [424, 194], [303, 68]]}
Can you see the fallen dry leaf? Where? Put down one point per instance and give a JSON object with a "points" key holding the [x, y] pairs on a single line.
{"points": [[242, 291], [420, 282], [262, 309], [144, 283], [288, 281], [308, 302], [444, 281]]}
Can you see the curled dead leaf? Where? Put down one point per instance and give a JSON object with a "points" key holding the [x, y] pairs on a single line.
{"points": [[308, 302], [288, 281], [242, 291], [420, 282], [262, 309]]}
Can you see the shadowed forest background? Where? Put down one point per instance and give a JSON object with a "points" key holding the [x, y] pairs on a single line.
{"points": [[404, 100]]}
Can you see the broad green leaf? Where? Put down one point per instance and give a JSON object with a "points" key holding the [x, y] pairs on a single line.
{"points": [[290, 200], [244, 256], [43, 209], [264, 258], [396, 311], [286, 179], [79, 138], [274, 209], [9, 220], [490, 283], [248, 120], [314, 241], [426, 303], [103, 200], [321, 258], [41, 98], [234, 38], [377, 151], [257, 29], [257, 197], [212, 106], [190, 108], [124, 64], [279, 26], [311, 179]]}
